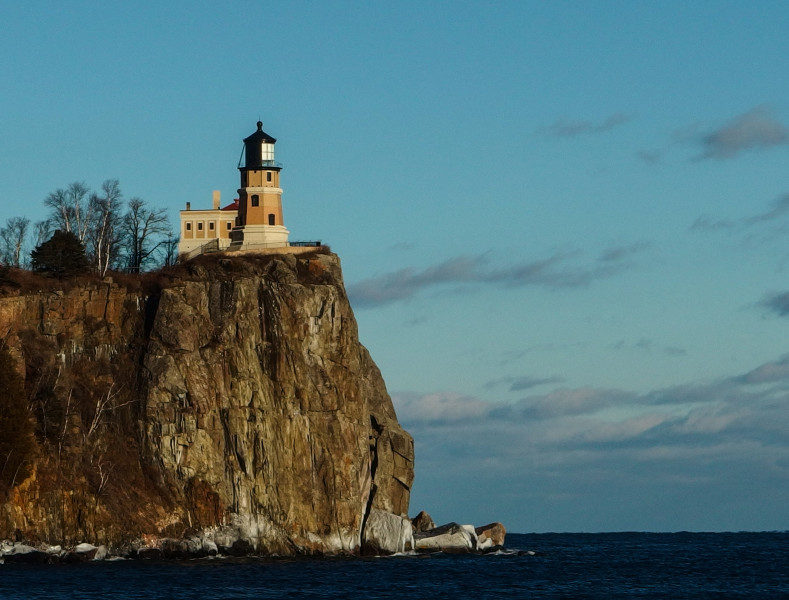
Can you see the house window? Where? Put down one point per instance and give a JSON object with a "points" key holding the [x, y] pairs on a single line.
{"points": [[199, 227], [211, 226], [229, 226], [255, 200], [268, 176], [189, 227], [271, 219]]}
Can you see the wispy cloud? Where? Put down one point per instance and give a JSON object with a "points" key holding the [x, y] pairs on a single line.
{"points": [[777, 209], [649, 346], [618, 253], [776, 302], [759, 227], [560, 270], [768, 372], [568, 402], [707, 223], [575, 128], [756, 129], [519, 384]]}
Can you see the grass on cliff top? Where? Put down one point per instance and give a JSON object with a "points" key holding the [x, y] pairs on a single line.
{"points": [[15, 281]]}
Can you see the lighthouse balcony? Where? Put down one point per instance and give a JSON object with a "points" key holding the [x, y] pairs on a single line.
{"points": [[275, 164]]}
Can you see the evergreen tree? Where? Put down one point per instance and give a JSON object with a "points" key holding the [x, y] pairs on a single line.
{"points": [[62, 256]]}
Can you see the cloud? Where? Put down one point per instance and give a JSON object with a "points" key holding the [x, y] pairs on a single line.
{"points": [[755, 229], [704, 455], [777, 302], [441, 408], [554, 272], [569, 402], [648, 346], [706, 223], [618, 253], [768, 372], [756, 129], [565, 128], [778, 208], [517, 384], [404, 283]]}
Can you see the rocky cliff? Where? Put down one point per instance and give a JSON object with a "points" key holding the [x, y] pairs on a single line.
{"points": [[226, 401]]}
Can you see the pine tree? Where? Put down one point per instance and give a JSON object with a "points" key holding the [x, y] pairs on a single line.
{"points": [[62, 256]]}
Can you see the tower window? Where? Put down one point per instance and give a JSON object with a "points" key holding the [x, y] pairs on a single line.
{"points": [[189, 227], [271, 219], [255, 200], [268, 176]]}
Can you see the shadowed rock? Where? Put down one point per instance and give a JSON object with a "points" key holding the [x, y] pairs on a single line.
{"points": [[422, 522]]}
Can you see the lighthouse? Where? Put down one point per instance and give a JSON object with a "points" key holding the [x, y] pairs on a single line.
{"points": [[259, 223]]}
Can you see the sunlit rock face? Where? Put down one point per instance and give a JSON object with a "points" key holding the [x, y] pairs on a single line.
{"points": [[229, 400]]}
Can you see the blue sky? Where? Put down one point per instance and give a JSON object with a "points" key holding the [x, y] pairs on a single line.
{"points": [[563, 225]]}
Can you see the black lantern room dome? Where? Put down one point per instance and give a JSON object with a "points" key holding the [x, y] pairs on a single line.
{"points": [[259, 150]]}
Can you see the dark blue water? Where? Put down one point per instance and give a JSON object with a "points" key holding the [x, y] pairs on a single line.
{"points": [[607, 565]]}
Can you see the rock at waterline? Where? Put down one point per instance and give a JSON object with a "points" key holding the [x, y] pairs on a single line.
{"points": [[423, 522], [460, 538], [490, 536], [447, 538], [385, 533]]}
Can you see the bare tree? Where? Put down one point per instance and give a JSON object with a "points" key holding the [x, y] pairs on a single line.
{"points": [[13, 241], [42, 231], [104, 233], [170, 253], [70, 209], [144, 233]]}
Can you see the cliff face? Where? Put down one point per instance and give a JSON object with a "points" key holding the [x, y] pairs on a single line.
{"points": [[230, 400]]}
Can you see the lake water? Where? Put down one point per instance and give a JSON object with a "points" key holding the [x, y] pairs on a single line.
{"points": [[567, 565]]}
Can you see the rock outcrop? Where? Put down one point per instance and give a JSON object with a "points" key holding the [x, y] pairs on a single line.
{"points": [[447, 538], [422, 522], [460, 538], [226, 404], [490, 536]]}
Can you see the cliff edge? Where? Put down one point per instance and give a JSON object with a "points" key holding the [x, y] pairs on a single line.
{"points": [[227, 401]]}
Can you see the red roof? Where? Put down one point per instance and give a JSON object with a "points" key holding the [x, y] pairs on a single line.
{"points": [[233, 206]]}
